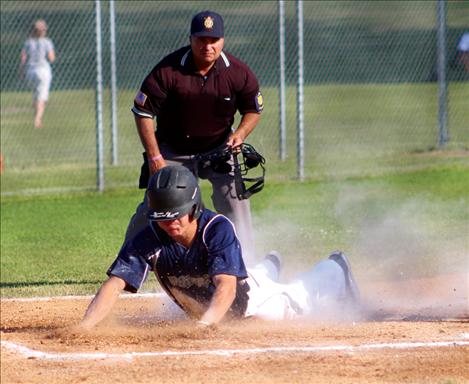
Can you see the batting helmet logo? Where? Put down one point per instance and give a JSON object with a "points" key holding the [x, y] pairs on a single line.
{"points": [[163, 215]]}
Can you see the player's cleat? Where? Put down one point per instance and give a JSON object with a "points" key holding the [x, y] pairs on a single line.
{"points": [[351, 288], [276, 259]]}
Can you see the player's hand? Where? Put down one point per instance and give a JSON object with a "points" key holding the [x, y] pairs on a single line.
{"points": [[78, 329], [69, 332], [203, 324], [204, 329]]}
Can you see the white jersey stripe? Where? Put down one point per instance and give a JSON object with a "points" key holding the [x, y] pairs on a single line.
{"points": [[225, 59], [140, 113], [211, 221], [184, 58]]}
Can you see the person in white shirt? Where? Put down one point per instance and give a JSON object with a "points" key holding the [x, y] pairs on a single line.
{"points": [[36, 56]]}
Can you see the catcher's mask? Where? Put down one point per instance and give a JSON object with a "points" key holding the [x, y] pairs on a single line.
{"points": [[237, 161], [172, 193]]}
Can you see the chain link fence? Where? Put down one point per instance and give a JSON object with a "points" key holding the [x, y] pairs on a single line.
{"points": [[370, 89]]}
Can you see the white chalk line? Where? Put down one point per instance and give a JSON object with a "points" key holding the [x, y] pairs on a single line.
{"points": [[31, 353], [74, 356]]}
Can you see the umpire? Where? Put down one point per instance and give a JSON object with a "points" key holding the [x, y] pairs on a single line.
{"points": [[194, 94]]}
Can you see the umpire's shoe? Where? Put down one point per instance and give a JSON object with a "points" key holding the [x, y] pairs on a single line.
{"points": [[352, 293]]}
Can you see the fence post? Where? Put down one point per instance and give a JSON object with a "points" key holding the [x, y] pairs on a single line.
{"points": [[442, 84], [300, 94], [99, 101], [282, 107], [114, 131]]}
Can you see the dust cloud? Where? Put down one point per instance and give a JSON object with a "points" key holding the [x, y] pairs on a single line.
{"points": [[412, 263], [407, 257]]}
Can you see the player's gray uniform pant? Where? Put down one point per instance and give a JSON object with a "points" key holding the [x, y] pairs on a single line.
{"points": [[224, 198]]}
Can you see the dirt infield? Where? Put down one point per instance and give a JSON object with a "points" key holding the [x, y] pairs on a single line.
{"points": [[148, 340]]}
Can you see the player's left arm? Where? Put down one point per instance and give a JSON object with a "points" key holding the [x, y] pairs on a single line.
{"points": [[225, 293]]}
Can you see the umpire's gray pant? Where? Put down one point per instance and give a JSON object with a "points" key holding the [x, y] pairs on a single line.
{"points": [[224, 198]]}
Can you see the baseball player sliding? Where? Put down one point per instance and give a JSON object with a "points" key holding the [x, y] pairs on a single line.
{"points": [[197, 259]]}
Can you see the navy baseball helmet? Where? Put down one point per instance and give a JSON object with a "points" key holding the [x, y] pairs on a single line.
{"points": [[173, 192], [207, 24]]}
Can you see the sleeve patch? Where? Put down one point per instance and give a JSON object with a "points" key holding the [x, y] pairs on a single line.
{"points": [[259, 102], [140, 98]]}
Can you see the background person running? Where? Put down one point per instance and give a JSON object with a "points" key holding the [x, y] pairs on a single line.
{"points": [[36, 56]]}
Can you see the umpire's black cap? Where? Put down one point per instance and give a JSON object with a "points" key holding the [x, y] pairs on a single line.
{"points": [[207, 24]]}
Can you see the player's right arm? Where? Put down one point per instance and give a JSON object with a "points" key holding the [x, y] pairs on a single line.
{"points": [[103, 302], [223, 297], [128, 272]]}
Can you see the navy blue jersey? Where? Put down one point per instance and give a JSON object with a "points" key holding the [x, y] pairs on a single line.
{"points": [[216, 250]]}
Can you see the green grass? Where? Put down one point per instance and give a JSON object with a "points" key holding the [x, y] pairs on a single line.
{"points": [[413, 223], [350, 130]]}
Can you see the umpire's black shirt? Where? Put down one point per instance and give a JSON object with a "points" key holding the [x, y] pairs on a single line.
{"points": [[195, 113]]}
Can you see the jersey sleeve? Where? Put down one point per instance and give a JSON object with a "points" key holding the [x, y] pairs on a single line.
{"points": [[134, 261], [151, 95], [224, 249], [250, 99]]}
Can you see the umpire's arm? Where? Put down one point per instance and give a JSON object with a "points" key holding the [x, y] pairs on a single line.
{"points": [[146, 131], [246, 126], [223, 297], [103, 302]]}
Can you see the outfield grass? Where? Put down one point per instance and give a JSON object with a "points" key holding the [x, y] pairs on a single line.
{"points": [[401, 225], [350, 130]]}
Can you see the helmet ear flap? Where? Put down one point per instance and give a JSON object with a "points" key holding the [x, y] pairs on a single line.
{"points": [[198, 205], [196, 211]]}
